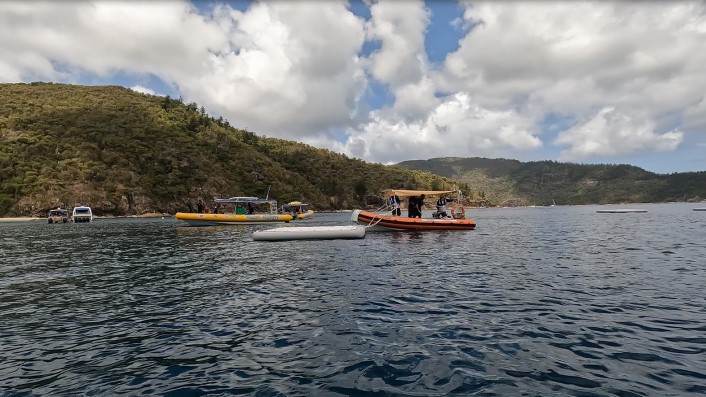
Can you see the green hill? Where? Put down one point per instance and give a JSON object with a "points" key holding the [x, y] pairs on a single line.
{"points": [[511, 182], [124, 153]]}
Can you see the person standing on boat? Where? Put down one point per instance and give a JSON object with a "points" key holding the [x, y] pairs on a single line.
{"points": [[420, 205], [415, 206], [411, 206], [394, 203]]}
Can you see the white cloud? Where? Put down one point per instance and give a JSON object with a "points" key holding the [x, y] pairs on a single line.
{"points": [[168, 38], [400, 27], [456, 127], [611, 133], [415, 100], [597, 49], [574, 59], [420, 123], [292, 69], [142, 89]]}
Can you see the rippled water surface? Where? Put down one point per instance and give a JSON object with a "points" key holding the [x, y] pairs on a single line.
{"points": [[535, 302]]}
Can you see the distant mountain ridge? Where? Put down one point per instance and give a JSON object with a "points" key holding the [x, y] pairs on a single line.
{"points": [[511, 182]]}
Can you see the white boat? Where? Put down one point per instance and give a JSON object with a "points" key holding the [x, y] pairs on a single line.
{"points": [[620, 211], [310, 233], [82, 214]]}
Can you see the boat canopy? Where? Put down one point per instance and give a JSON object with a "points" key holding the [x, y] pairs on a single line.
{"points": [[408, 193], [253, 200]]}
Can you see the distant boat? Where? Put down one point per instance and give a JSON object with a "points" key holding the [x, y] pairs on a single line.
{"points": [[58, 215], [297, 209], [699, 209], [553, 203], [82, 214]]}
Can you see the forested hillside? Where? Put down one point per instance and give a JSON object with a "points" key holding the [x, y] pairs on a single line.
{"points": [[511, 182], [124, 153]]}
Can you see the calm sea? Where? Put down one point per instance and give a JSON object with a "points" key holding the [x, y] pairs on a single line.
{"points": [[535, 302]]}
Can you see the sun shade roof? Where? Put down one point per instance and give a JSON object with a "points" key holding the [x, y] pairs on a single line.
{"points": [[408, 193], [253, 200]]}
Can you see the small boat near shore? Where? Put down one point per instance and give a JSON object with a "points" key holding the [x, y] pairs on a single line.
{"points": [[58, 215], [298, 210], [310, 233], [82, 214]]}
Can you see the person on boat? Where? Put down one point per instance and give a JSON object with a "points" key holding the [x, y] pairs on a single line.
{"points": [[441, 207], [411, 206], [420, 205], [394, 203], [251, 208], [415, 206], [199, 206], [240, 210]]}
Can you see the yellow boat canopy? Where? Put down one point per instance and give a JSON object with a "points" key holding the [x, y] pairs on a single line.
{"points": [[401, 193]]}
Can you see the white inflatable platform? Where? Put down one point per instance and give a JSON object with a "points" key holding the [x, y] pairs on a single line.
{"points": [[309, 233]]}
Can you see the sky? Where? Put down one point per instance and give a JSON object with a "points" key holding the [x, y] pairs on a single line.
{"points": [[387, 81]]}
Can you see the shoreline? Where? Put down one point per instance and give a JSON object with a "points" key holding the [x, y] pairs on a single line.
{"points": [[160, 215], [33, 219], [21, 219]]}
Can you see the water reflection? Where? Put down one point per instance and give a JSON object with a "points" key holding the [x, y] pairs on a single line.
{"points": [[533, 302]]}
